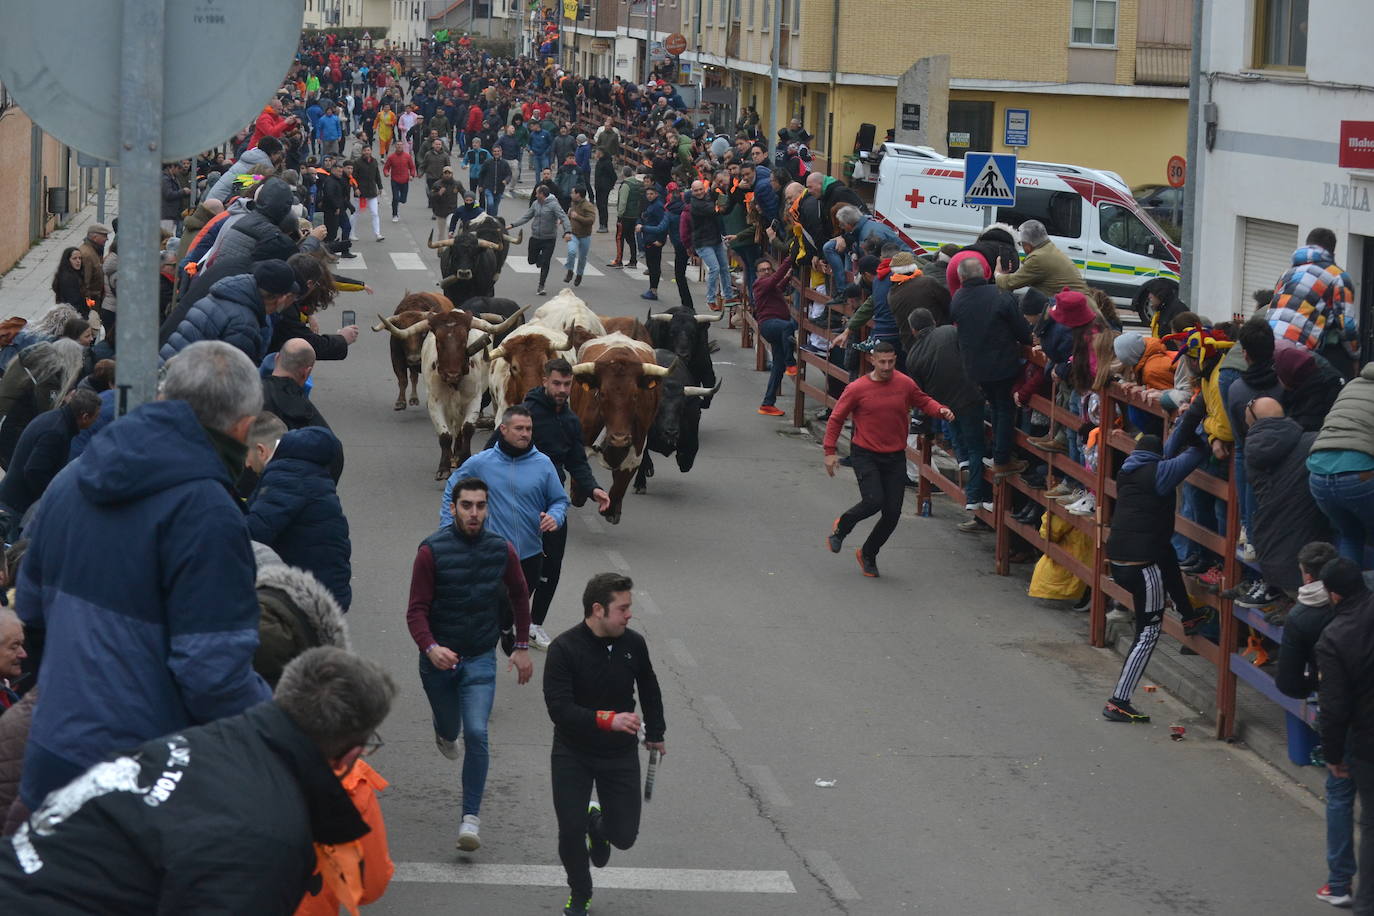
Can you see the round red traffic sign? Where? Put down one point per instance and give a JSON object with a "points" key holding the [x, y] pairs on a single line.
{"points": [[1177, 171], [675, 44]]}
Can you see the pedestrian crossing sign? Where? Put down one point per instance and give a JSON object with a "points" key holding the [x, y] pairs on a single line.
{"points": [[990, 179]]}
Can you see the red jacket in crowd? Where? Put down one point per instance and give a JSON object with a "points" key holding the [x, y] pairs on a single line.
{"points": [[399, 166]]}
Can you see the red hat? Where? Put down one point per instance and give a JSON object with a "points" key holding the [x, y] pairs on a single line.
{"points": [[1071, 309]]}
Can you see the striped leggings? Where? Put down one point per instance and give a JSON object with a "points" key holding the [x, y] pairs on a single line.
{"points": [[1146, 585]]}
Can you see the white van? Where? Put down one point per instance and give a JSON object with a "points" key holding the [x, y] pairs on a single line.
{"points": [[1089, 214]]}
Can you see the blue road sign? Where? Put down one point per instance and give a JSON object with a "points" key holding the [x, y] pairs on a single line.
{"points": [[990, 179], [1017, 132]]}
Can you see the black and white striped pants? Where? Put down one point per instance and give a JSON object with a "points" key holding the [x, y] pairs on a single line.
{"points": [[1146, 585]]}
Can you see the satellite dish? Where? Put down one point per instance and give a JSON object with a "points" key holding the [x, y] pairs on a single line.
{"points": [[62, 62]]}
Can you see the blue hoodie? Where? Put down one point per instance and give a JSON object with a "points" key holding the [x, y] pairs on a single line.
{"points": [[1175, 464], [139, 571], [295, 510], [519, 489]]}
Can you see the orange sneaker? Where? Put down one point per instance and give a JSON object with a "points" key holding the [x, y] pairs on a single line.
{"points": [[768, 410]]}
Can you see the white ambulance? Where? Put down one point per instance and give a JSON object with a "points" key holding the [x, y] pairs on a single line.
{"points": [[1089, 214]]}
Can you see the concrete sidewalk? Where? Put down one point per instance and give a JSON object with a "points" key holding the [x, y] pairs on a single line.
{"points": [[26, 289]]}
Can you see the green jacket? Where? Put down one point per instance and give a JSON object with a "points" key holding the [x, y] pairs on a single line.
{"points": [[629, 200]]}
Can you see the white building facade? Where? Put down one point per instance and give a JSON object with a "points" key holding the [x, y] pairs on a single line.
{"points": [[1279, 79]]}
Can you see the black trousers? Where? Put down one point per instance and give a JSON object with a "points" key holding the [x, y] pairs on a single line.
{"points": [[1362, 772], [603, 199], [653, 259], [680, 275], [531, 566], [616, 780], [555, 543], [541, 253], [882, 487], [625, 237]]}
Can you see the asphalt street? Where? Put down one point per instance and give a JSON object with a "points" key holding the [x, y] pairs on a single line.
{"points": [[926, 742]]}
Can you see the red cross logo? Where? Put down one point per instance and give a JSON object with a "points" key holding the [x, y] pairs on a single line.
{"points": [[914, 198]]}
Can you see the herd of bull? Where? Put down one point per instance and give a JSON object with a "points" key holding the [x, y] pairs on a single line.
{"points": [[639, 386]]}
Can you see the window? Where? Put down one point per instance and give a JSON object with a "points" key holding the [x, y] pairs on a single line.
{"points": [[1094, 23], [1281, 34], [1060, 211], [724, 12], [739, 8], [768, 14], [795, 19], [1122, 229], [749, 19]]}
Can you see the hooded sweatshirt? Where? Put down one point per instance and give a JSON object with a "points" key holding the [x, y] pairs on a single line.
{"points": [[521, 487], [157, 635]]}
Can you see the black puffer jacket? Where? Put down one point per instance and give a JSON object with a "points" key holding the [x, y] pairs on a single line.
{"points": [[232, 312], [130, 836], [935, 363], [1285, 516], [991, 330], [1345, 657], [295, 510], [705, 222]]}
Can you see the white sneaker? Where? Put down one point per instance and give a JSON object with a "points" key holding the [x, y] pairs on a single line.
{"points": [[448, 748], [1085, 506], [1244, 549], [1074, 496], [540, 639], [395, 219], [468, 840]]}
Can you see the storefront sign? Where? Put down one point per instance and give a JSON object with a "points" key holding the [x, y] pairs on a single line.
{"points": [[1345, 196], [1357, 145]]}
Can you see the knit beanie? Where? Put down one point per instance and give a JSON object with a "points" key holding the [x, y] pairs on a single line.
{"points": [[1129, 347], [1150, 443]]}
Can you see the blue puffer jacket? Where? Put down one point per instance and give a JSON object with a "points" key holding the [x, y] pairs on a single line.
{"points": [[156, 632], [296, 511], [654, 219], [232, 312], [764, 195]]}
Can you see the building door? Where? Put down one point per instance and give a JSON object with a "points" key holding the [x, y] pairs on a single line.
{"points": [[970, 127], [1268, 252]]}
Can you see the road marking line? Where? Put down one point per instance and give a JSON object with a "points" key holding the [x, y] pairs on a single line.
{"points": [[407, 260], [823, 864], [716, 707], [679, 650], [618, 561], [769, 787], [519, 264], [648, 604], [625, 879], [357, 262], [592, 521]]}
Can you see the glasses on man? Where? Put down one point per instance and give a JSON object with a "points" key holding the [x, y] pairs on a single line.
{"points": [[372, 745]]}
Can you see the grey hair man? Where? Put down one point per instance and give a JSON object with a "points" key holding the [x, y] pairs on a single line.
{"points": [[267, 778], [158, 635], [1044, 267], [12, 654]]}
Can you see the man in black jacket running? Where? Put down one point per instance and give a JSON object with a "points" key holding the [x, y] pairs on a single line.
{"points": [[590, 680]]}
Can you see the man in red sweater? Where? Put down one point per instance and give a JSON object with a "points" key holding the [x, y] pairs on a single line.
{"points": [[400, 168], [881, 403], [271, 123]]}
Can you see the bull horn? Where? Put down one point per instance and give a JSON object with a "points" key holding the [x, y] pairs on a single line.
{"points": [[657, 371], [519, 237], [584, 369], [492, 317], [478, 345], [661, 316], [379, 326], [489, 244], [707, 319], [498, 353], [698, 391], [418, 327], [442, 243]]}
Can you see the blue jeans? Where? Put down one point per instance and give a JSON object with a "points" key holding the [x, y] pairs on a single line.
{"points": [[969, 445], [541, 162], [1003, 410], [717, 271], [836, 261], [1340, 832], [460, 700], [1348, 502], [577, 254], [781, 334], [749, 255], [493, 201]]}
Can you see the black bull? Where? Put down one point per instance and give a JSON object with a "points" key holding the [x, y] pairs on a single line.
{"points": [[471, 261], [677, 424]]}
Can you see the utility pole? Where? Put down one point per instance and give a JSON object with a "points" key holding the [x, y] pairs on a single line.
{"points": [[140, 168], [1188, 283], [773, 73]]}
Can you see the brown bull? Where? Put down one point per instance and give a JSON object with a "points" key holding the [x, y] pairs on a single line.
{"points": [[455, 374], [405, 351], [616, 395], [631, 327], [517, 365]]}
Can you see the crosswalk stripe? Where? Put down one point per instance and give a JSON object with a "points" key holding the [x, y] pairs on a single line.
{"points": [[407, 260], [357, 262], [625, 879], [517, 263]]}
